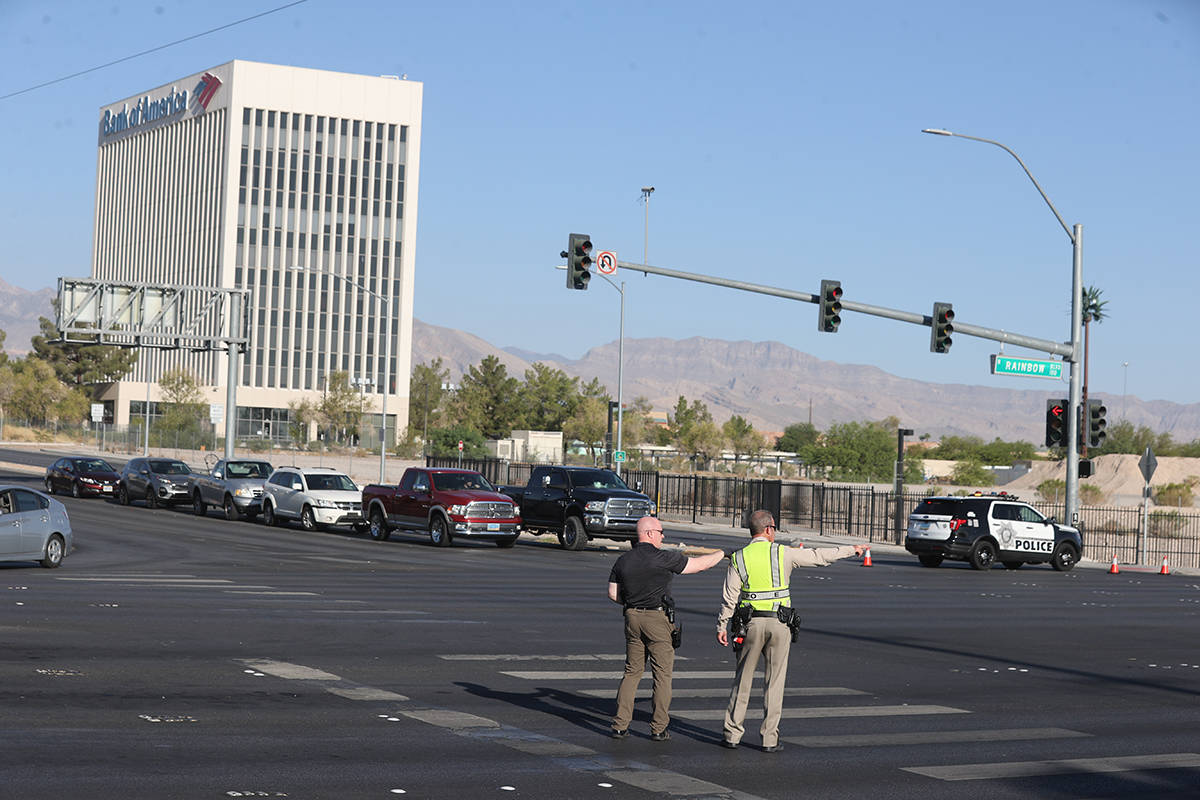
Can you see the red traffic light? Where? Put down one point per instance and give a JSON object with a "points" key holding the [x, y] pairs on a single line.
{"points": [[1056, 410]]}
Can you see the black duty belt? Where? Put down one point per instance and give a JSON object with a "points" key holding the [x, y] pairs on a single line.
{"points": [[764, 614], [645, 608]]}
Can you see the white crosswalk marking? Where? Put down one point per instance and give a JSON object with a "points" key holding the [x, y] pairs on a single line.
{"points": [[933, 737], [1067, 766], [799, 691], [825, 712], [581, 675]]}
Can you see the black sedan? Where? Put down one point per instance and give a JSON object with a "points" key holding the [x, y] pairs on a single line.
{"points": [[81, 476]]}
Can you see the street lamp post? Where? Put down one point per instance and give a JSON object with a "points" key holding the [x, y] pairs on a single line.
{"points": [[387, 359], [1075, 234]]}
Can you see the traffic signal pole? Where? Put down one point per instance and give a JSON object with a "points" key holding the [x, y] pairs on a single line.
{"points": [[979, 331]]}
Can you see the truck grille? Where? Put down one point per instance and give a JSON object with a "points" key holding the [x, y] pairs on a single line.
{"points": [[628, 508], [482, 510]]}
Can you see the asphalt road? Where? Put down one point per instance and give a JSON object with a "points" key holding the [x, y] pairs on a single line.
{"points": [[179, 657]]}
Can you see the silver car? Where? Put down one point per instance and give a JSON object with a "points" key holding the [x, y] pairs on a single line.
{"points": [[33, 527], [316, 496]]}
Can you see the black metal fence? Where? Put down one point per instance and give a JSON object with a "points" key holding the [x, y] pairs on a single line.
{"points": [[863, 512]]}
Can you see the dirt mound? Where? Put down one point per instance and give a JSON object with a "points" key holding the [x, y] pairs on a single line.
{"points": [[1117, 476]]}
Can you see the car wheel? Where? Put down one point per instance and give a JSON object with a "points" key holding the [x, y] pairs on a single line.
{"points": [[574, 537], [930, 560], [379, 528], [439, 531], [269, 517], [122, 494], [75, 490], [1012, 564], [199, 506], [983, 554], [54, 552], [49, 486], [308, 520], [1064, 557], [151, 498], [507, 541], [231, 512]]}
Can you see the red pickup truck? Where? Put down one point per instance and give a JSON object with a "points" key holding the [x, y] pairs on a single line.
{"points": [[445, 503]]}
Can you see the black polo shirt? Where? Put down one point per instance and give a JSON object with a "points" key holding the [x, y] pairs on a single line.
{"points": [[644, 574]]}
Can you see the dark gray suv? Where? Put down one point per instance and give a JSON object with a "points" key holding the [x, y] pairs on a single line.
{"points": [[158, 481]]}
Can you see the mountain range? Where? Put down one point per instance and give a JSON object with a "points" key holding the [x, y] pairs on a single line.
{"points": [[768, 383], [773, 386]]}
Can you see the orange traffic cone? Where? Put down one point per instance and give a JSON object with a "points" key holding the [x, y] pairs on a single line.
{"points": [[867, 558], [1165, 570], [1114, 569]]}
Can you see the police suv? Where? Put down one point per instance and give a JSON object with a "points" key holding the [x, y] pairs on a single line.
{"points": [[982, 530]]}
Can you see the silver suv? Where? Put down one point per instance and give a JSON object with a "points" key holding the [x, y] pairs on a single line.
{"points": [[158, 481], [317, 496]]}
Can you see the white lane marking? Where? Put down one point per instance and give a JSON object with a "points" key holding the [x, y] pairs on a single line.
{"points": [[933, 737], [521, 657], [827, 712], [1066, 766], [672, 783], [454, 720], [363, 611], [365, 693], [286, 594], [294, 672], [813, 691], [185, 579], [576, 675]]}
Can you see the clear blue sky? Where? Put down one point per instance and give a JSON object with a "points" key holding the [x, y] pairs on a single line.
{"points": [[783, 139]]}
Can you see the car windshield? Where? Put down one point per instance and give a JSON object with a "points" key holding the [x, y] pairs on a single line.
{"points": [[455, 481], [163, 467], [597, 479], [327, 483], [92, 465], [247, 469]]}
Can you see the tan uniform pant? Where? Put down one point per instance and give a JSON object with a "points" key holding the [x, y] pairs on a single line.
{"points": [[646, 632], [773, 640]]}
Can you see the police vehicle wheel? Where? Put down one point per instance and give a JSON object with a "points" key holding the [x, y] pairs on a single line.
{"points": [[1064, 557], [983, 555], [574, 537], [439, 532], [506, 541], [930, 561], [1012, 564], [379, 529]]}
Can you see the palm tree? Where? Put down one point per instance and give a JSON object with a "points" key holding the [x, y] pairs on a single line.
{"points": [[1093, 311]]}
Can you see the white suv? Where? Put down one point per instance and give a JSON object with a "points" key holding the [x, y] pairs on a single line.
{"points": [[317, 496]]}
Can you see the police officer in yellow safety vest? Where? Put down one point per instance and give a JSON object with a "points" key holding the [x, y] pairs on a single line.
{"points": [[756, 587]]}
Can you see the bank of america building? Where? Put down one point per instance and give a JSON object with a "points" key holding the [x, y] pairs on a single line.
{"points": [[297, 185]]}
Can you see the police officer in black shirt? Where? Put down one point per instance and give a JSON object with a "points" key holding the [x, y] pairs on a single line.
{"points": [[641, 582]]}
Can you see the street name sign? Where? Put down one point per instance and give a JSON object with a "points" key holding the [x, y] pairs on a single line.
{"points": [[1028, 367]]}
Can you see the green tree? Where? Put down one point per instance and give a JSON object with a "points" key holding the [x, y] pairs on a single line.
{"points": [[970, 472], [36, 394], [588, 424], [183, 406], [858, 451], [798, 438], [301, 413], [487, 399], [547, 398], [426, 395], [635, 427], [742, 438], [693, 431], [340, 409], [81, 364], [443, 442]]}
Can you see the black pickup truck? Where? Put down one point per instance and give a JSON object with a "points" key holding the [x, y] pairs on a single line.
{"points": [[579, 503]]}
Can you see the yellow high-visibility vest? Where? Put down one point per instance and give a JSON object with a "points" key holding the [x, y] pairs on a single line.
{"points": [[764, 587]]}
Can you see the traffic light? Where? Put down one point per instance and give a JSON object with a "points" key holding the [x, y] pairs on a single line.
{"points": [[1056, 422], [1096, 423], [831, 307], [940, 330], [579, 260]]}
